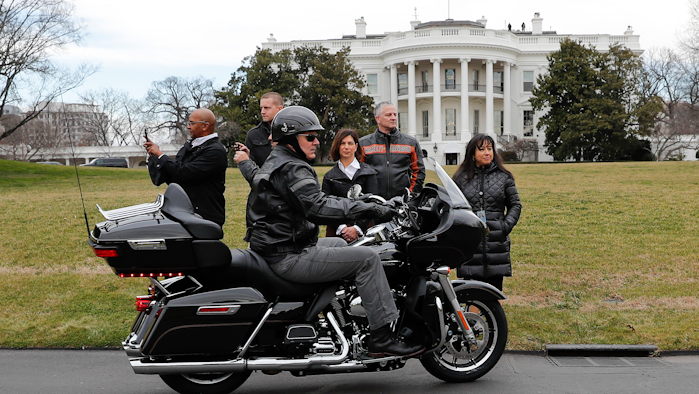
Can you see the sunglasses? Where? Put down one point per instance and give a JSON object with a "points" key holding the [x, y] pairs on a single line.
{"points": [[309, 137]]}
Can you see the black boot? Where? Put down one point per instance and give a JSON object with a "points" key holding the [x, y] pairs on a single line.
{"points": [[382, 344]]}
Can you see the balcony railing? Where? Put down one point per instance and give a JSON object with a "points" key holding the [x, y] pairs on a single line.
{"points": [[450, 135], [450, 87]]}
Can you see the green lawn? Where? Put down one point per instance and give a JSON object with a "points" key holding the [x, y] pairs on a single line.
{"points": [[604, 253]]}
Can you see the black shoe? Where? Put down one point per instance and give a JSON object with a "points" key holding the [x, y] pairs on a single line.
{"points": [[382, 344]]}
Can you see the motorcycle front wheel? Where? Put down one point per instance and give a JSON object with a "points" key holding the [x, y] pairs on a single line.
{"points": [[455, 361], [205, 383]]}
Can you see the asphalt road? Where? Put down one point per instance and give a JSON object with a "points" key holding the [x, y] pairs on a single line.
{"points": [[92, 371]]}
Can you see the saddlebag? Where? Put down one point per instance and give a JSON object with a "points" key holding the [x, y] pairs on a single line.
{"points": [[215, 322]]}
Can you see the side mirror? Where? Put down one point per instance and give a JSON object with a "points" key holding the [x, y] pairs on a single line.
{"points": [[424, 153]]}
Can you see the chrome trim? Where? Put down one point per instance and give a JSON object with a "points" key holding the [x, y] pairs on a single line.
{"points": [[334, 362], [160, 287], [449, 292], [232, 310], [373, 234], [254, 333], [147, 244], [288, 330], [134, 210], [378, 360]]}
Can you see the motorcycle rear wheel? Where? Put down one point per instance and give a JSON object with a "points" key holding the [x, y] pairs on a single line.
{"points": [[454, 362], [206, 383]]}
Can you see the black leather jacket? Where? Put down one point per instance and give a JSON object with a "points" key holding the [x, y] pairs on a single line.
{"points": [[257, 140], [499, 193], [397, 159], [201, 171], [286, 204]]}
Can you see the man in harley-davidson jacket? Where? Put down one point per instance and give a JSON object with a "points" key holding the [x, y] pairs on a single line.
{"points": [[287, 204]]}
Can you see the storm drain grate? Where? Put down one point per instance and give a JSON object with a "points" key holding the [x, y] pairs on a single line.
{"points": [[606, 362]]}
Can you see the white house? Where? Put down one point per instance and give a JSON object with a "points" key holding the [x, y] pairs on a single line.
{"points": [[452, 79]]}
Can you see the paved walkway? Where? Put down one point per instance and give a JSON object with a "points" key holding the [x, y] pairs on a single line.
{"points": [[75, 371]]}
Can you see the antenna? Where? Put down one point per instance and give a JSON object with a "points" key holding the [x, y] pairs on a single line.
{"points": [[415, 16], [448, 9], [77, 175]]}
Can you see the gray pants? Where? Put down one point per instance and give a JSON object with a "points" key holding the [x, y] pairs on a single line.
{"points": [[331, 260]]}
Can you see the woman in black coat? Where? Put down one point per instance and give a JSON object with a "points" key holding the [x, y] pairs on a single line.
{"points": [[491, 191], [347, 172]]}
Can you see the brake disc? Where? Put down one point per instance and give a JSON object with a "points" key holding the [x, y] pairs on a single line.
{"points": [[457, 344]]}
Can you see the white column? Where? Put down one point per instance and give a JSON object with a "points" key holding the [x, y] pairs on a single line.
{"points": [[489, 129], [394, 85], [506, 101], [437, 101], [412, 104], [465, 133]]}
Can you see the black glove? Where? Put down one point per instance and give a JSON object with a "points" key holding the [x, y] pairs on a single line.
{"points": [[364, 197], [395, 203], [384, 213]]}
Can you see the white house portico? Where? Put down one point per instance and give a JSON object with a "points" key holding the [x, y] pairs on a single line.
{"points": [[453, 79]]}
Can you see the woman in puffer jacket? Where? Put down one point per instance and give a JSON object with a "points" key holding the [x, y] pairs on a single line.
{"points": [[490, 189]]}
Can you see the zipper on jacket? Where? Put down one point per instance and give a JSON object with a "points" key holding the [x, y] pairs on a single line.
{"points": [[388, 165], [485, 215]]}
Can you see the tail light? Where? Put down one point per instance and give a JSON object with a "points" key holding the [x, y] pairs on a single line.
{"points": [[104, 253], [143, 302], [151, 275]]}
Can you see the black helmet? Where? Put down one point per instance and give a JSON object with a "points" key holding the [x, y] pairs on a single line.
{"points": [[294, 120]]}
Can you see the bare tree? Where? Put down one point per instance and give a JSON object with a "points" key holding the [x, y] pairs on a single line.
{"points": [[522, 148], [675, 80], [38, 139], [116, 118], [30, 31], [171, 101]]}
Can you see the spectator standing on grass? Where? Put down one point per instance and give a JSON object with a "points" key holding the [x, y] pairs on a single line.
{"points": [[348, 172], [490, 189], [257, 139], [199, 167], [396, 157]]}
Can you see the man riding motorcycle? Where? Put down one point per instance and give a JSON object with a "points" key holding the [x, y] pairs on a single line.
{"points": [[287, 205]]}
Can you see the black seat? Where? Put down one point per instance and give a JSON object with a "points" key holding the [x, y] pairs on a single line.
{"points": [[178, 207], [248, 267]]}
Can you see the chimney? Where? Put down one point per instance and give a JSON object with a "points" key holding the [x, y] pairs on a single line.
{"points": [[413, 24], [271, 38], [361, 27], [537, 23], [629, 31], [482, 21]]}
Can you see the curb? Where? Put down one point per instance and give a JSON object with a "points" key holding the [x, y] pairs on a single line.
{"points": [[572, 350]]}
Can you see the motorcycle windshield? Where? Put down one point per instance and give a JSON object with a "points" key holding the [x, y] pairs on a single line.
{"points": [[457, 197]]}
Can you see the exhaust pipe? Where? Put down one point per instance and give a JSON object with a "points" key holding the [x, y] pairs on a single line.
{"points": [[144, 366]]}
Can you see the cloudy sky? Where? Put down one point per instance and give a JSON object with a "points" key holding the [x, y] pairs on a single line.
{"points": [[136, 42]]}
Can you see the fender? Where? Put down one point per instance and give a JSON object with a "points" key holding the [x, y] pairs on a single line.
{"points": [[474, 289]]}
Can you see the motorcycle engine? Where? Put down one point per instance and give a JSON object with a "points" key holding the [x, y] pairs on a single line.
{"points": [[355, 307]]}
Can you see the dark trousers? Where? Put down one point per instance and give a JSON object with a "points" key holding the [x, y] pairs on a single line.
{"points": [[331, 259]]}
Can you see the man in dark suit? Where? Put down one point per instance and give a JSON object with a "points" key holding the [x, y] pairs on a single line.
{"points": [[199, 167]]}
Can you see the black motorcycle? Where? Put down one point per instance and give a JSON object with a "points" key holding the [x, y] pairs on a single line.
{"points": [[213, 315]]}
